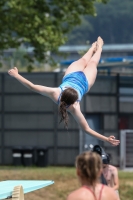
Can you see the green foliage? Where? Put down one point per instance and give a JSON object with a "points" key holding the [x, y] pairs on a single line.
{"points": [[113, 22], [81, 33], [41, 24]]}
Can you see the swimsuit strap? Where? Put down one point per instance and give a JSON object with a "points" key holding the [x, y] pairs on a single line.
{"points": [[101, 192], [85, 186]]}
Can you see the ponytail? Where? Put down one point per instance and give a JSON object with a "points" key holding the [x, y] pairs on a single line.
{"points": [[63, 113], [68, 97], [89, 164]]}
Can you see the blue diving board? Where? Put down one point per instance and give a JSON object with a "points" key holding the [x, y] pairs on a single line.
{"points": [[6, 187]]}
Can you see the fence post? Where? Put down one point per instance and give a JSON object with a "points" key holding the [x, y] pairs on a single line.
{"points": [[2, 116]]}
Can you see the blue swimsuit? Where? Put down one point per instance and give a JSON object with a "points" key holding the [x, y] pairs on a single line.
{"points": [[76, 80]]}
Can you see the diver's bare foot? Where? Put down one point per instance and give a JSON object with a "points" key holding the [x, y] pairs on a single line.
{"points": [[94, 47], [100, 42]]}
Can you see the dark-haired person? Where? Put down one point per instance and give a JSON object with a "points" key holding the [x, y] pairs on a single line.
{"points": [[79, 78], [89, 168], [99, 150], [110, 174]]}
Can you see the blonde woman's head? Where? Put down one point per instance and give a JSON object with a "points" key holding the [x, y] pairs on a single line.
{"points": [[89, 167]]}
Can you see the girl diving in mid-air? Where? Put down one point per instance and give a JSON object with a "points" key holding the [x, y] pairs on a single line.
{"points": [[77, 81]]}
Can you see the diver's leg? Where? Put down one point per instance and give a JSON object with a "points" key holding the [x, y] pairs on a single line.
{"points": [[80, 64], [91, 68]]}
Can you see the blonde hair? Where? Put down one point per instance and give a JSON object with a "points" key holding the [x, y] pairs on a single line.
{"points": [[89, 164]]}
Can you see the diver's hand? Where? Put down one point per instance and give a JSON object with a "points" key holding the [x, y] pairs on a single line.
{"points": [[113, 141], [13, 72]]}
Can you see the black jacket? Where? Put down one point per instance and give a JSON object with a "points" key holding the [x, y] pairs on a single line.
{"points": [[103, 180]]}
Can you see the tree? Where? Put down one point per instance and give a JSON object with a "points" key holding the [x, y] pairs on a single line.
{"points": [[81, 33], [113, 23], [41, 24]]}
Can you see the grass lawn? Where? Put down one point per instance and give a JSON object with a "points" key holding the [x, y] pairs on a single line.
{"points": [[64, 178]]}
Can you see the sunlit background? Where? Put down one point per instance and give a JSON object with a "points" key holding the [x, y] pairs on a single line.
{"points": [[42, 38]]}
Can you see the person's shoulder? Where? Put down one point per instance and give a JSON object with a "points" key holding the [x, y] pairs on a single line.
{"points": [[55, 92], [113, 168], [109, 192], [56, 89], [73, 195], [74, 107]]}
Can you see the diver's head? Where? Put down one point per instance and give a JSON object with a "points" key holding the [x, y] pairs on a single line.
{"points": [[68, 97]]}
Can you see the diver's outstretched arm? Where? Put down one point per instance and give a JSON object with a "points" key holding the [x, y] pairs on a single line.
{"points": [[43, 90], [80, 119]]}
